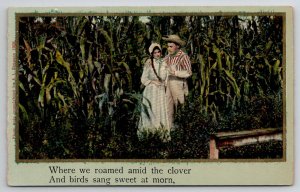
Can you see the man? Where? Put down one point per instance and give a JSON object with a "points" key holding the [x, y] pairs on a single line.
{"points": [[179, 66]]}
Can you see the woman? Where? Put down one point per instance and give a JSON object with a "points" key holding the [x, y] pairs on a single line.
{"points": [[154, 116]]}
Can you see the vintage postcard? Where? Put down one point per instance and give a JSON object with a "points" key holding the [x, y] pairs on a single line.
{"points": [[147, 96]]}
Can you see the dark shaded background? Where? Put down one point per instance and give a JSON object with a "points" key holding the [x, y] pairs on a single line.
{"points": [[80, 90]]}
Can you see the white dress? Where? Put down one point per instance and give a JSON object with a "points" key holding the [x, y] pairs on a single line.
{"points": [[155, 100]]}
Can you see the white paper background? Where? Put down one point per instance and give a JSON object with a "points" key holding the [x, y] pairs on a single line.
{"points": [[91, 3]]}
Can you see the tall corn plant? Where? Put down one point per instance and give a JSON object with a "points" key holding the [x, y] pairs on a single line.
{"points": [[81, 74], [231, 59], [81, 67], [210, 45]]}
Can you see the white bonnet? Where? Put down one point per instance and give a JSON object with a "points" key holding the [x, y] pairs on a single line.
{"points": [[152, 46]]}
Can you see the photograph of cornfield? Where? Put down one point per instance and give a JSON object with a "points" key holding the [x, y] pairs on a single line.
{"points": [[80, 93]]}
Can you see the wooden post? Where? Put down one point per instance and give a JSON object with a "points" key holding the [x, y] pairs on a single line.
{"points": [[213, 150]]}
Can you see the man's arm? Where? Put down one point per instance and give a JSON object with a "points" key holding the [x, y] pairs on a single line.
{"points": [[184, 69]]}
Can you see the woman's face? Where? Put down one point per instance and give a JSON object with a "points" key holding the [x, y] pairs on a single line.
{"points": [[156, 53]]}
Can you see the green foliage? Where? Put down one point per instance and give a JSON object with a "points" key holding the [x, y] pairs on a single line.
{"points": [[80, 91], [272, 150], [191, 135]]}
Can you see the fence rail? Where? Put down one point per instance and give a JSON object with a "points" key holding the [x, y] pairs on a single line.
{"points": [[227, 139]]}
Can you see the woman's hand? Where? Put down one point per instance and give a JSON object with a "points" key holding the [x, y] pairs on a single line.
{"points": [[157, 83]]}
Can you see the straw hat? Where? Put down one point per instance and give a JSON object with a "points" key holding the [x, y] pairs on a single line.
{"points": [[174, 39], [152, 46]]}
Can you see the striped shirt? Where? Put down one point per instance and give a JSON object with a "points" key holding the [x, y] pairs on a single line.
{"points": [[181, 61]]}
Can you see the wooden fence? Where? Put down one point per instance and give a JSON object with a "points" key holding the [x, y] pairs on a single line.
{"points": [[227, 139]]}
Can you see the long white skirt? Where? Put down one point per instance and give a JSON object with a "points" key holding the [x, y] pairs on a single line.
{"points": [[156, 120]]}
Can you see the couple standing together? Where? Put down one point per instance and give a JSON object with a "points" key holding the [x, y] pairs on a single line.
{"points": [[165, 86]]}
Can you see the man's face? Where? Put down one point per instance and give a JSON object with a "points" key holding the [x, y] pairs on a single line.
{"points": [[172, 48]]}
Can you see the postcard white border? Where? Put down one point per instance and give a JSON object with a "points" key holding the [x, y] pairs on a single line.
{"points": [[203, 173]]}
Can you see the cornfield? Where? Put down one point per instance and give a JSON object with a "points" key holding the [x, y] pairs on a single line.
{"points": [[80, 94]]}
